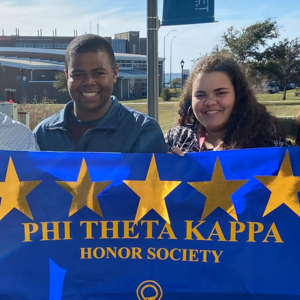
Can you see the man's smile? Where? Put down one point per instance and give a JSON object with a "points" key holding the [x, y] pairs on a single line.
{"points": [[92, 94]]}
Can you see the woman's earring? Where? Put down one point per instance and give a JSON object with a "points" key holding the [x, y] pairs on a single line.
{"points": [[190, 112]]}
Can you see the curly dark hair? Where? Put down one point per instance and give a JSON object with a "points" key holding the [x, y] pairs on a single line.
{"points": [[297, 141], [249, 125]]}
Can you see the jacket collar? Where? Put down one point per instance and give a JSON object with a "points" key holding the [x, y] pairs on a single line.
{"points": [[109, 121]]}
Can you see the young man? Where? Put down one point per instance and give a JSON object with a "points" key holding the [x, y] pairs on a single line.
{"points": [[15, 135], [92, 121]]}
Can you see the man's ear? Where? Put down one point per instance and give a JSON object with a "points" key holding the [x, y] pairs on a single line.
{"points": [[66, 74], [115, 75]]}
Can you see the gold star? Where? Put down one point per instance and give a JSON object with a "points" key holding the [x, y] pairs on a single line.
{"points": [[13, 192], [218, 192], [284, 188], [152, 192], [84, 191]]}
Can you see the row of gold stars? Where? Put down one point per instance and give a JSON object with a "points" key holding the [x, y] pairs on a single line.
{"points": [[152, 191]]}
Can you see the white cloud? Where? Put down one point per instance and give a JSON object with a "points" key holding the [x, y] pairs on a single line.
{"points": [[125, 15], [67, 16]]}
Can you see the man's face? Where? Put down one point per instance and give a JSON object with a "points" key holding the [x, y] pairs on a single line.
{"points": [[90, 79]]}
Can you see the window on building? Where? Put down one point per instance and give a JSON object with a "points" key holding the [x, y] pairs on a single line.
{"points": [[26, 45], [131, 88], [124, 63], [139, 64], [119, 46], [60, 46], [144, 88], [44, 45]]}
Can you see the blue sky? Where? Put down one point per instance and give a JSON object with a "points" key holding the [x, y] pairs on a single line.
{"points": [[115, 16]]}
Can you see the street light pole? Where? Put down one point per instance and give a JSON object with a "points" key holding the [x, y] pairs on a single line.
{"points": [[152, 59], [171, 59], [165, 56], [182, 64]]}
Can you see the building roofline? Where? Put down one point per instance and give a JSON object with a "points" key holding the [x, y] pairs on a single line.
{"points": [[30, 64], [118, 56]]}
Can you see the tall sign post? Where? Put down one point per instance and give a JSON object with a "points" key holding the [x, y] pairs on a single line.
{"points": [[175, 12], [179, 12], [152, 59]]}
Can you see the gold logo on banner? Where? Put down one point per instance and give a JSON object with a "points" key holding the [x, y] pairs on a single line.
{"points": [[156, 291]]}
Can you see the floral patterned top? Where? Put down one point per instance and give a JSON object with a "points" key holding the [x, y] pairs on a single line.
{"points": [[183, 137]]}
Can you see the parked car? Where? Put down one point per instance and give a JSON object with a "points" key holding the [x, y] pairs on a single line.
{"points": [[271, 87], [290, 86]]}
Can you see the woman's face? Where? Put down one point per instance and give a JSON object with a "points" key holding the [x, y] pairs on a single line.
{"points": [[213, 99]]}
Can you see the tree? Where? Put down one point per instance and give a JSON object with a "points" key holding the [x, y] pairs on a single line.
{"points": [[176, 83], [281, 62], [246, 44], [250, 47], [60, 82]]}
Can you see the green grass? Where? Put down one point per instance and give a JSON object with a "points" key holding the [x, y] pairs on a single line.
{"points": [[283, 110], [290, 97], [168, 110]]}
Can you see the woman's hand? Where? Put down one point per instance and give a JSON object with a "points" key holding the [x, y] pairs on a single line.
{"points": [[177, 151]]}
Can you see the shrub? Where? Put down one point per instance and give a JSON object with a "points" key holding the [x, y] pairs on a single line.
{"points": [[39, 109], [166, 94]]}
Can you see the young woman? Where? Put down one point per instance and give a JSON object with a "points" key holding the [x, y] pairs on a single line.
{"points": [[218, 111]]}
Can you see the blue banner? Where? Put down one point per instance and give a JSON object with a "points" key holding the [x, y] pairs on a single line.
{"points": [[180, 12], [213, 225]]}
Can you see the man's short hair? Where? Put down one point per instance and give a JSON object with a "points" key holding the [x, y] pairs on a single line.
{"points": [[89, 43]]}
